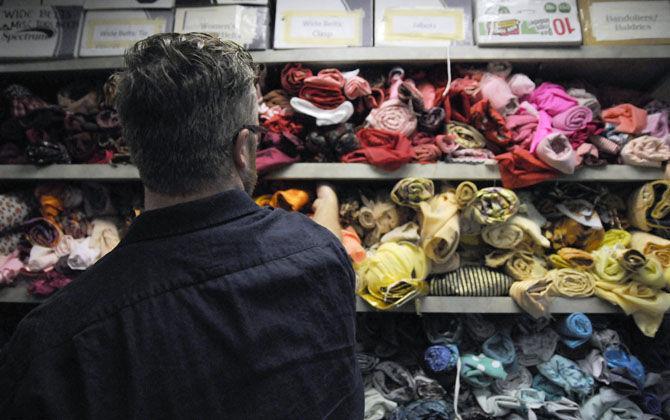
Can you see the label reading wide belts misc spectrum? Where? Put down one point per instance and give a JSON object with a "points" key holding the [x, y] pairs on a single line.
{"points": [[616, 21], [512, 22], [426, 24], [323, 27]]}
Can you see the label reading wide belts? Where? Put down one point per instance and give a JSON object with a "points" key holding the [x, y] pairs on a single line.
{"points": [[424, 24], [323, 27], [120, 33]]}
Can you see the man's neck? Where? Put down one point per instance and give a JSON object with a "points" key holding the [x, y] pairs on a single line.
{"points": [[153, 201]]}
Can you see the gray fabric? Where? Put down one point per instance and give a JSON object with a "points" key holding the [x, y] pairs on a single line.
{"points": [[394, 382], [595, 364], [521, 378], [533, 349]]}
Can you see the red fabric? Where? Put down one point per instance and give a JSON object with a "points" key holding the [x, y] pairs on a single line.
{"points": [[333, 74], [279, 124], [462, 94], [519, 168], [324, 92], [580, 137], [272, 158], [101, 157], [385, 149], [293, 76], [490, 123]]}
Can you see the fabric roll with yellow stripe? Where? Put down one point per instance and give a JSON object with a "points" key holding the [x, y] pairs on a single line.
{"points": [[440, 231], [646, 305], [393, 275]]}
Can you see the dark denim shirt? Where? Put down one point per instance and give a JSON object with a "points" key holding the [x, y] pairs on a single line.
{"points": [[215, 308]]}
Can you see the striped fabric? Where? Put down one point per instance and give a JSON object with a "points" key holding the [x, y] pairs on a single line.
{"points": [[471, 281]]}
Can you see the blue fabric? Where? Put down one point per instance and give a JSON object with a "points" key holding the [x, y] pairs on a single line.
{"points": [[500, 347], [617, 357], [652, 404], [568, 375], [551, 391], [424, 410], [575, 330], [440, 359]]}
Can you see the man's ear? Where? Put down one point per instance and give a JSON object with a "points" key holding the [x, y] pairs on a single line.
{"points": [[241, 150]]}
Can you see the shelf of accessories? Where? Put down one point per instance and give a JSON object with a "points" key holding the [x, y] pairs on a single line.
{"points": [[368, 55], [493, 305], [330, 171]]}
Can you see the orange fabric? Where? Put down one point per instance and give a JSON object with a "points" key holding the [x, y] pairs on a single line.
{"points": [[263, 200], [51, 205], [352, 244], [292, 199], [627, 118]]}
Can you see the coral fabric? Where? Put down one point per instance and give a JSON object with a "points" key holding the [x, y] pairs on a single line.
{"points": [[627, 118]]}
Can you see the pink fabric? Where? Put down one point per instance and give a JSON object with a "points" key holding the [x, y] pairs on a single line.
{"points": [[555, 150], [396, 77], [521, 85], [471, 156], [357, 87], [523, 125], [446, 144], [605, 145], [573, 119], [427, 90], [657, 125], [646, 151], [552, 99], [498, 92], [543, 130], [393, 115], [427, 153], [587, 155], [10, 266]]}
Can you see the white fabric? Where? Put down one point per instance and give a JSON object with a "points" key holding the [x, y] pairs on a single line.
{"points": [[104, 236], [41, 258], [376, 406], [82, 254], [324, 117], [64, 247]]}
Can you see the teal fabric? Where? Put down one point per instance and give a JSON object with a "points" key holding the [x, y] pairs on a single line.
{"points": [[481, 371], [568, 375]]}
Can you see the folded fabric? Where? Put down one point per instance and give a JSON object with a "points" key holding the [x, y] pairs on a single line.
{"points": [[518, 378], [440, 233], [442, 330], [385, 149], [352, 244], [571, 283], [411, 192], [586, 99], [493, 205], [532, 296], [519, 168], [646, 305], [649, 206], [393, 115], [465, 136], [478, 327], [650, 274], [323, 91], [471, 281], [567, 374], [481, 371], [544, 129], [657, 125], [575, 330], [330, 116], [10, 267], [489, 122], [462, 94], [409, 232], [376, 406], [393, 275], [523, 125], [496, 90], [394, 382], [500, 347], [366, 362], [291, 199], [552, 99], [573, 119], [497, 405], [627, 118], [605, 145], [441, 358], [427, 153], [555, 150], [652, 246], [646, 151], [602, 339], [568, 232], [576, 258], [41, 258], [552, 392], [502, 235], [587, 154], [471, 156], [595, 365], [521, 85], [618, 357], [355, 87], [293, 76]]}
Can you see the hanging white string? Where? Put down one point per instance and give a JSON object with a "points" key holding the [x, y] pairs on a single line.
{"points": [[446, 89], [457, 388]]}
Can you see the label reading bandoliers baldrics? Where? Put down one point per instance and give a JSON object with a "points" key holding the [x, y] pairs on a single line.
{"points": [[527, 22], [617, 21]]}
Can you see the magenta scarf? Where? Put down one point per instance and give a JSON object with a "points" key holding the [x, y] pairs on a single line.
{"points": [[552, 99], [544, 128]]}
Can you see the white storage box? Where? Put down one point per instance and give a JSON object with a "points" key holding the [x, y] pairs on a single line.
{"points": [[423, 23], [319, 24], [128, 4], [246, 25]]}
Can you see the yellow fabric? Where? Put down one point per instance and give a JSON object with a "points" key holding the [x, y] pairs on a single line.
{"points": [[558, 262], [493, 205], [104, 236], [263, 200], [607, 267], [652, 245], [649, 204], [567, 232], [440, 232], [616, 237], [651, 274], [576, 258], [394, 274], [520, 265], [646, 305], [571, 283], [465, 193], [502, 235], [532, 296]]}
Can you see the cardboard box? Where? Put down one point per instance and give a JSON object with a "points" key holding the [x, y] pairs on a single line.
{"points": [[39, 32], [527, 22], [128, 4], [249, 26], [423, 23], [319, 24], [109, 33], [612, 22]]}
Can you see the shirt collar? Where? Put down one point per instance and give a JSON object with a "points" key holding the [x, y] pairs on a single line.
{"points": [[190, 216]]}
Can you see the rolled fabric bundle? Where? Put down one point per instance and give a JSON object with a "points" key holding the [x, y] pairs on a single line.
{"points": [[465, 193], [521, 85], [519, 168], [324, 92], [577, 258], [555, 150], [532, 296], [649, 206], [607, 266], [409, 232], [431, 121], [575, 330], [440, 233], [632, 261], [521, 265], [411, 192], [517, 379], [478, 327], [496, 90], [385, 149], [376, 406], [502, 235], [500, 347], [82, 254], [617, 237], [535, 348], [650, 274], [10, 267], [605, 145], [579, 137], [333, 74], [293, 77], [42, 232], [552, 99], [493, 205], [586, 99], [495, 406], [356, 87], [481, 371], [427, 153], [471, 156], [462, 94], [485, 119], [627, 118], [567, 374], [465, 135], [277, 97], [471, 281], [618, 357], [571, 283], [378, 217], [573, 119], [652, 245], [657, 125], [393, 275], [441, 358], [428, 388], [646, 151], [393, 115], [74, 223], [646, 305], [394, 382], [558, 262]]}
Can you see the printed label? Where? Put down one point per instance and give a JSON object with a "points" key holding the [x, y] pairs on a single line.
{"points": [[616, 21], [36, 32], [425, 24], [323, 27], [120, 33]]}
